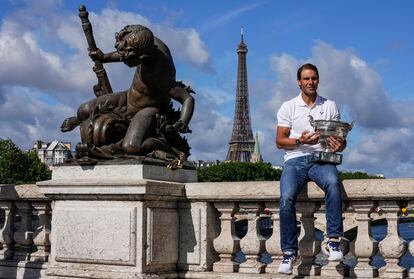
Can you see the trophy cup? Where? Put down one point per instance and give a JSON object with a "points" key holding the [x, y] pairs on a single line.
{"points": [[325, 129]]}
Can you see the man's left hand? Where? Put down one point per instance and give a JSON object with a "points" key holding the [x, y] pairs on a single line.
{"points": [[336, 144]]}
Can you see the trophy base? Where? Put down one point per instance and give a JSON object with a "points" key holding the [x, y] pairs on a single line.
{"points": [[328, 157]]}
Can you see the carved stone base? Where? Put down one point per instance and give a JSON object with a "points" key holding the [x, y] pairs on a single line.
{"points": [[226, 266], [116, 228], [364, 271], [252, 266], [273, 266], [393, 271], [334, 269], [308, 268]]}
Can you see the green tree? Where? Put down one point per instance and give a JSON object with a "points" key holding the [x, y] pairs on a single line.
{"points": [[357, 175], [238, 171], [17, 167]]}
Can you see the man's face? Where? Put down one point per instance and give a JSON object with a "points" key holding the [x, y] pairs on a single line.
{"points": [[308, 82]]}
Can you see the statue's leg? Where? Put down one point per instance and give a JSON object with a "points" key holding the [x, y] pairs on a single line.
{"points": [[141, 127], [114, 99], [69, 124]]}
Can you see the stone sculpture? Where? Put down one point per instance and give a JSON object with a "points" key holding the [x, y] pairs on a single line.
{"points": [[140, 121]]}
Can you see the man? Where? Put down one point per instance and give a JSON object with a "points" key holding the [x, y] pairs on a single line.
{"points": [[153, 86], [295, 135]]}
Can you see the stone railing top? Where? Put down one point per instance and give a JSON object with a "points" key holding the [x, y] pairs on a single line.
{"points": [[19, 192], [377, 189], [133, 189]]}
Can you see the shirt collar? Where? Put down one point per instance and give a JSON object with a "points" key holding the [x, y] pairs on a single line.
{"points": [[302, 103]]}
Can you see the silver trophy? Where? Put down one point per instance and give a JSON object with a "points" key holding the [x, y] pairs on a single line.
{"points": [[326, 129]]}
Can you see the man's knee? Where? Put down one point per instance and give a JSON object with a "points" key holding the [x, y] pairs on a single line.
{"points": [[332, 180], [287, 201]]}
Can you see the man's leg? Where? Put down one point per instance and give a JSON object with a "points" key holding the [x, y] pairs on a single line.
{"points": [[326, 177], [294, 176]]}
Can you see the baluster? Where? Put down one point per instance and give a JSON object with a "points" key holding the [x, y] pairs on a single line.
{"points": [[253, 244], [392, 247], [6, 232], [273, 243], [24, 235], [227, 243], [41, 233], [333, 268], [309, 247], [364, 247]]}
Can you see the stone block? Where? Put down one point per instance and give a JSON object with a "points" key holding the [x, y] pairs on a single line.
{"points": [[124, 172]]}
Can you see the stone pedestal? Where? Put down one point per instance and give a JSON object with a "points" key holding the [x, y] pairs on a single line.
{"points": [[115, 221]]}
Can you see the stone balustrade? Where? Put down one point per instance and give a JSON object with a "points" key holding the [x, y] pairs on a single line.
{"points": [[24, 231], [193, 230], [364, 201]]}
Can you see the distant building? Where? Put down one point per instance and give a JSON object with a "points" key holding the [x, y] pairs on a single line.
{"points": [[256, 156], [53, 153], [202, 163]]}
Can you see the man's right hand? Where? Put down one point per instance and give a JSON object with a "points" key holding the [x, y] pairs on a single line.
{"points": [[308, 137], [96, 55]]}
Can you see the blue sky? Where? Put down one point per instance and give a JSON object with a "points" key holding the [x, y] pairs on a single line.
{"points": [[364, 51]]}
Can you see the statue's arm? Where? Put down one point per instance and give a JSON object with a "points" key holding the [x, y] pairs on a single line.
{"points": [[105, 57], [182, 95]]}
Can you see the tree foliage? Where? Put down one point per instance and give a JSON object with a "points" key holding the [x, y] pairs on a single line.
{"points": [[17, 167], [238, 171], [357, 175]]}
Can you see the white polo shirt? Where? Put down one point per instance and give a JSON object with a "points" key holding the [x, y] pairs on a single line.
{"points": [[294, 114]]}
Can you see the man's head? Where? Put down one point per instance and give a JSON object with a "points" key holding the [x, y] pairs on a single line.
{"points": [[308, 79], [132, 42]]}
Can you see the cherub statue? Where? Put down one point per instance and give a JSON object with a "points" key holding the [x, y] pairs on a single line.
{"points": [[140, 120]]}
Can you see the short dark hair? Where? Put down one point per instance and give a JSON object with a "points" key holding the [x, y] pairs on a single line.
{"points": [[307, 66]]}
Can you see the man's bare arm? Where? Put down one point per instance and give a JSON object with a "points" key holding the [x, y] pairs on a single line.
{"points": [[282, 138], [284, 142]]}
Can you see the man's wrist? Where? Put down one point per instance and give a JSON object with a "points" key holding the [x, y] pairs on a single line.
{"points": [[297, 141]]}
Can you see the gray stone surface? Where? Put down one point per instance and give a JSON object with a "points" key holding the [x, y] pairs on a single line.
{"points": [[124, 172], [198, 225], [111, 222], [362, 189], [94, 189], [95, 232], [16, 192]]}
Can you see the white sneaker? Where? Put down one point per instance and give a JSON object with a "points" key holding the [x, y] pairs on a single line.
{"points": [[286, 266], [335, 253]]}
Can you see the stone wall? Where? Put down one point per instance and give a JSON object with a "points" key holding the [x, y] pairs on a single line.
{"points": [[109, 226]]}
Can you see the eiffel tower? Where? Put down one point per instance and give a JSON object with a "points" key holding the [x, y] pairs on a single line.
{"points": [[241, 145]]}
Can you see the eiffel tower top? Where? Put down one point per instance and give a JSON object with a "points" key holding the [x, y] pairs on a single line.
{"points": [[242, 46]]}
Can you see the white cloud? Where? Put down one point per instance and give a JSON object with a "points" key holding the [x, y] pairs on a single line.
{"points": [[212, 131], [46, 73], [24, 55], [24, 118]]}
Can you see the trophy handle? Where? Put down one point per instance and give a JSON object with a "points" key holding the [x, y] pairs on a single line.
{"points": [[312, 122]]}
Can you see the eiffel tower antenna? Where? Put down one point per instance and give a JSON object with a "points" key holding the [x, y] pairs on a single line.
{"points": [[241, 145]]}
